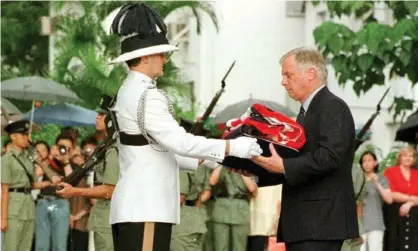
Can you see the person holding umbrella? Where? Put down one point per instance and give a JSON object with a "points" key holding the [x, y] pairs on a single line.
{"points": [[17, 181]]}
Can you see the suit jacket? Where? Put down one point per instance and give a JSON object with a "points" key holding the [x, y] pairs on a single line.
{"points": [[318, 201], [148, 185]]}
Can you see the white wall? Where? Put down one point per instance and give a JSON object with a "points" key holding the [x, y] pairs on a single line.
{"points": [[256, 36]]}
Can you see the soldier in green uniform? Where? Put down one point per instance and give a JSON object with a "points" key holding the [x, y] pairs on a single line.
{"points": [[189, 234], [231, 209], [17, 181], [208, 238], [359, 181], [105, 179]]}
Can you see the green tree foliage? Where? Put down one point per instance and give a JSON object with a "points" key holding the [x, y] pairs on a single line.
{"points": [[24, 51], [23, 48], [362, 56]]}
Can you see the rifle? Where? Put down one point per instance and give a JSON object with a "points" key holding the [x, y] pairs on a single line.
{"points": [[98, 153], [197, 128], [370, 121]]}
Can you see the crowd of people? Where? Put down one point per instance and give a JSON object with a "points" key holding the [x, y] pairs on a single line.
{"points": [[218, 206], [386, 203], [61, 221]]}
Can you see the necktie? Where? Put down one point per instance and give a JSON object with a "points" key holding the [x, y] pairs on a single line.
{"points": [[301, 115]]}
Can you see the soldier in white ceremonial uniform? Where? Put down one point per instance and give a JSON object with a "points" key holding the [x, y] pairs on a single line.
{"points": [[145, 203]]}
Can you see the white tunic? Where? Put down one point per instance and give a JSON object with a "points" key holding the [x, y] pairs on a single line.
{"points": [[148, 186]]}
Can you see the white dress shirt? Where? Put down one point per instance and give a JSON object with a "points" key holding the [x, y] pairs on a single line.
{"points": [[148, 186], [308, 101]]}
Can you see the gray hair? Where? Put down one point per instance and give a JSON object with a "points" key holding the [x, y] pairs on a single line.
{"points": [[308, 57]]}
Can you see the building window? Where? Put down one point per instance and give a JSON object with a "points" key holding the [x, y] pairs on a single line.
{"points": [[295, 8]]}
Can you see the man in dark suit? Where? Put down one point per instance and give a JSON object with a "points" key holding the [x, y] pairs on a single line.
{"points": [[318, 204]]}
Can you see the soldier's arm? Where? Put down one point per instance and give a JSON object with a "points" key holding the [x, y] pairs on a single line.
{"points": [[41, 184], [6, 177], [102, 191], [46, 170], [110, 178], [38, 171], [96, 192], [4, 203], [205, 196], [215, 176], [250, 185], [204, 172]]}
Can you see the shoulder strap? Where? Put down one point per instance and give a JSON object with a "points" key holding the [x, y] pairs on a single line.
{"points": [[24, 168], [190, 181]]}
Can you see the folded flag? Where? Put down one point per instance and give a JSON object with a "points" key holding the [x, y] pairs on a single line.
{"points": [[268, 126]]}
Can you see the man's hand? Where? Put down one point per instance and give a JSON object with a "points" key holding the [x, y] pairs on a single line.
{"points": [[4, 225], [67, 192], [273, 164]]}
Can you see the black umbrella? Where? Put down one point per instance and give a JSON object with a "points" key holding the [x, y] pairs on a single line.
{"points": [[238, 109], [408, 131]]}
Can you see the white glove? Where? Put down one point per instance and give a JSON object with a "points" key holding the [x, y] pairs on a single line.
{"points": [[211, 164], [244, 147]]}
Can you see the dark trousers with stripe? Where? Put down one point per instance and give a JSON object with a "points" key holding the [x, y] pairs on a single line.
{"points": [[314, 246], [141, 236]]}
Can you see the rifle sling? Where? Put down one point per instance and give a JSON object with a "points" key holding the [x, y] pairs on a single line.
{"points": [[24, 168]]}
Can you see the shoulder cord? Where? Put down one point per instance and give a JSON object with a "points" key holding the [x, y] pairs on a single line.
{"points": [[141, 113]]}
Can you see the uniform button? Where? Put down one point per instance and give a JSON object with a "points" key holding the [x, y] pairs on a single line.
{"points": [[407, 230], [406, 246], [406, 237], [407, 223]]}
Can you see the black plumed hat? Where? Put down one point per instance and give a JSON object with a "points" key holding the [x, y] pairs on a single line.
{"points": [[142, 32]]}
